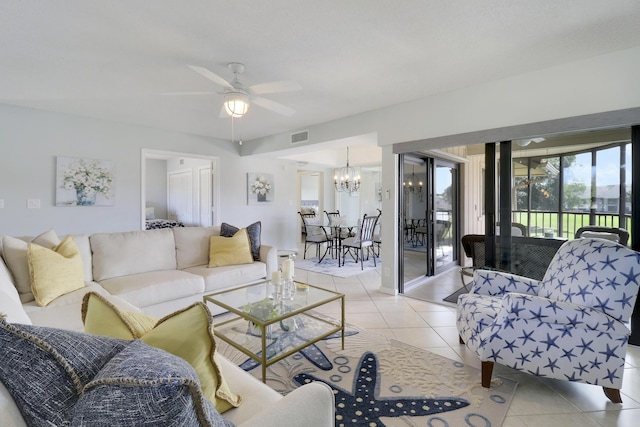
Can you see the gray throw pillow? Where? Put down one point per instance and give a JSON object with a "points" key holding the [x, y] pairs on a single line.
{"points": [[145, 386], [254, 230], [46, 369], [67, 378]]}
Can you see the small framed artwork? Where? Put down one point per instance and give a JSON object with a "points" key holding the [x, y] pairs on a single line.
{"points": [[84, 182], [260, 188]]}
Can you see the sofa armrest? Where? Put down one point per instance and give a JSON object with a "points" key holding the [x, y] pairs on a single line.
{"points": [[496, 283], [269, 255], [309, 405]]}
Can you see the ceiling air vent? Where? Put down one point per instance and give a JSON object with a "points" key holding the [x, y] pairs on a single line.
{"points": [[297, 138]]}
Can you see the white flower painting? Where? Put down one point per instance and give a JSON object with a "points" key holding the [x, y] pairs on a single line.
{"points": [[84, 182], [260, 188]]}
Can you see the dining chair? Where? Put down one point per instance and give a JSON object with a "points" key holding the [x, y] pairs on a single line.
{"points": [[315, 234], [619, 235], [571, 325], [336, 221], [356, 245], [306, 215]]}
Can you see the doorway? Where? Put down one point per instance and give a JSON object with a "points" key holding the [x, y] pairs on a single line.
{"points": [[311, 189], [179, 186], [428, 217]]}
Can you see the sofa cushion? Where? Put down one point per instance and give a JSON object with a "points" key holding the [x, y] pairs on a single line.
{"points": [[12, 310], [45, 369], [54, 272], [227, 277], [84, 247], [133, 252], [6, 283], [154, 287], [234, 250], [187, 333], [192, 245], [64, 312], [253, 230], [14, 252], [144, 386]]}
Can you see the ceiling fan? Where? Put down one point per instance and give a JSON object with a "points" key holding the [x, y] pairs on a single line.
{"points": [[237, 97]]}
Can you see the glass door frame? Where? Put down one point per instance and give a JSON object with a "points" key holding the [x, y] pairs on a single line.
{"points": [[429, 189]]}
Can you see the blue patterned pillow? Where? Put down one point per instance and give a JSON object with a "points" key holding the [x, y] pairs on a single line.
{"points": [[166, 385], [59, 377], [45, 369], [254, 230]]}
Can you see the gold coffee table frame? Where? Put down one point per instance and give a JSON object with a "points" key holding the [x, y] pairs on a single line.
{"points": [[237, 332]]}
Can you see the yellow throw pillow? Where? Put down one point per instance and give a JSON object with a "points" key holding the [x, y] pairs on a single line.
{"points": [[101, 317], [230, 250], [54, 272], [187, 333]]}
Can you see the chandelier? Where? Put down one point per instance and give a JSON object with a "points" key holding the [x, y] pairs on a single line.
{"points": [[408, 186], [346, 179]]}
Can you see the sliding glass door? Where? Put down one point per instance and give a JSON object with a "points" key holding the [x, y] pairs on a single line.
{"points": [[428, 221]]}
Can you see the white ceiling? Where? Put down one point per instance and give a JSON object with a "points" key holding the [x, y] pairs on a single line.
{"points": [[114, 60]]}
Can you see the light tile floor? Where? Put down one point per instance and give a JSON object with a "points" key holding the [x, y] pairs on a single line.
{"points": [[428, 325]]}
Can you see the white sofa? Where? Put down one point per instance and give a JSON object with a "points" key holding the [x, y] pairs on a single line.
{"points": [[158, 272]]}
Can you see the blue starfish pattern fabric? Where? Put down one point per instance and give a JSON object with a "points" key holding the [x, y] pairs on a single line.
{"points": [[569, 326]]}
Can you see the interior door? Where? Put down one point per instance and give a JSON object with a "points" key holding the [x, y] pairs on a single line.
{"points": [[180, 197]]}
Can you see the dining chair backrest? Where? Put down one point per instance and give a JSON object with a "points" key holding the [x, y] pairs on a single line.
{"points": [[366, 229], [306, 218], [331, 216]]}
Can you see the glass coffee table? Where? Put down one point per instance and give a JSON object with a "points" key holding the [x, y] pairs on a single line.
{"points": [[269, 328]]}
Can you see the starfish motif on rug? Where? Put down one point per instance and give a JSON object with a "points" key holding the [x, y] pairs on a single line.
{"points": [[290, 339], [363, 406]]}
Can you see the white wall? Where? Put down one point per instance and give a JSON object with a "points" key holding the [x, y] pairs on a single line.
{"points": [[31, 139]]}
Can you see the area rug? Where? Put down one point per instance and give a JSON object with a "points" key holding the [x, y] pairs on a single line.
{"points": [[378, 381], [330, 266], [453, 298]]}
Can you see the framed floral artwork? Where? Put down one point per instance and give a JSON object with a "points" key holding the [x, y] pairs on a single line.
{"points": [[260, 188], [84, 182]]}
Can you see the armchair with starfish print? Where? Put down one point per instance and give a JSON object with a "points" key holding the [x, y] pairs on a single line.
{"points": [[571, 325]]}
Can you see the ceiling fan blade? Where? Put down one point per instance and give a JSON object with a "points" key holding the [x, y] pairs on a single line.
{"points": [[275, 87], [273, 106], [188, 93], [211, 76]]}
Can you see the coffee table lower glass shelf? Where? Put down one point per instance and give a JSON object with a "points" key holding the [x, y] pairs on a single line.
{"points": [[269, 328]]}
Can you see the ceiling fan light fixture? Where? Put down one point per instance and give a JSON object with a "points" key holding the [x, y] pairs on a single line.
{"points": [[236, 104]]}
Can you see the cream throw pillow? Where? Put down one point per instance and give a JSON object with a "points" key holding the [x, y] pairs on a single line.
{"points": [[230, 250], [14, 252], [187, 333], [54, 272]]}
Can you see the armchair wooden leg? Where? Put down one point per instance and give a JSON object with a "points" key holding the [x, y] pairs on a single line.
{"points": [[460, 339], [487, 370], [613, 394]]}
